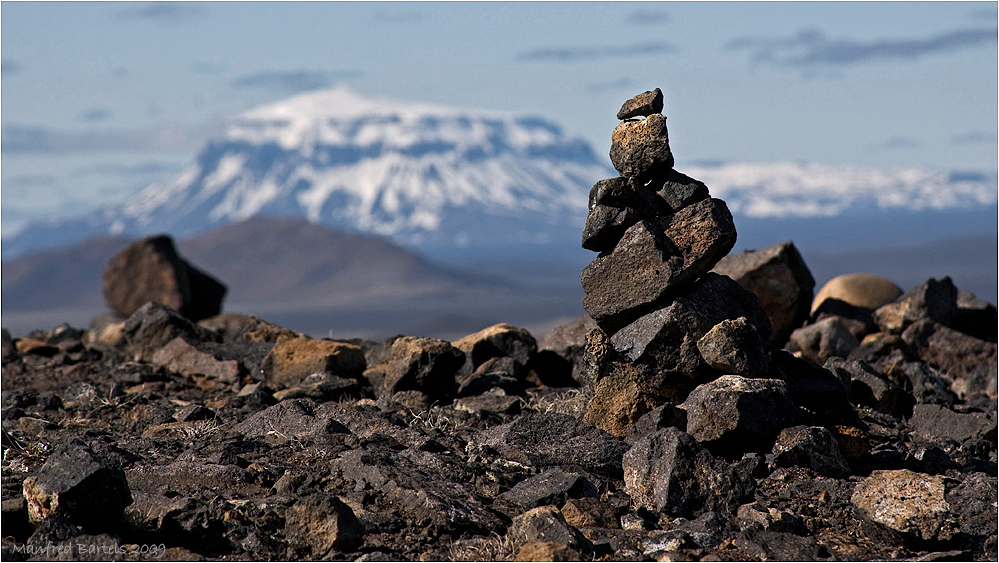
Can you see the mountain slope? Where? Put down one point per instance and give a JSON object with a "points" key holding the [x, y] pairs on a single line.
{"points": [[263, 261]]}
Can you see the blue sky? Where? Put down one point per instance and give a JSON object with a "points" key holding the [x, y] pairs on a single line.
{"points": [[100, 99]]}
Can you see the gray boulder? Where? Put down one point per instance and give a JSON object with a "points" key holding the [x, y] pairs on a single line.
{"points": [[677, 190], [780, 279], [820, 341], [734, 347], [668, 471], [733, 415], [934, 300], [939, 423], [427, 365], [813, 447], [153, 326]]}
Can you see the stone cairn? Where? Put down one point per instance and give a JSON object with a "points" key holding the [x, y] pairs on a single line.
{"points": [[667, 323]]}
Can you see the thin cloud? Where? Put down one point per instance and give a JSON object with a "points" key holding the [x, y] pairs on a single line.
{"points": [[616, 84], [584, 54], [648, 17], [811, 47], [30, 181], [985, 14], [898, 143], [170, 13], [291, 81], [150, 168], [96, 114], [9, 67], [28, 139], [975, 137]]}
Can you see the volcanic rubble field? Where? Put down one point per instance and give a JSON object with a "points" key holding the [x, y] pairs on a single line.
{"points": [[703, 409]]}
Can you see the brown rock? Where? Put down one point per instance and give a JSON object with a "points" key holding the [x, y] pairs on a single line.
{"points": [[643, 104], [428, 365], [323, 524], [780, 279], [151, 270], [547, 551], [655, 258], [640, 147], [294, 358], [820, 341], [181, 357], [859, 290]]}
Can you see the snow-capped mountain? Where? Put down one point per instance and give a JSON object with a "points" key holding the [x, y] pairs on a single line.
{"points": [[425, 176], [448, 181]]}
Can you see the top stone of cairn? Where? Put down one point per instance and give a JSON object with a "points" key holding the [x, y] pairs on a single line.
{"points": [[644, 104]]}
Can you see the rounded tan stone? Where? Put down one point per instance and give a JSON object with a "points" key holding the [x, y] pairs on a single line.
{"points": [[859, 290]]}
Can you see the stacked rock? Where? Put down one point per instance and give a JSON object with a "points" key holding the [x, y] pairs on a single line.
{"points": [[651, 292]]}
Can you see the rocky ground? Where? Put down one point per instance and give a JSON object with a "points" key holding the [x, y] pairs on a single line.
{"points": [[705, 409]]}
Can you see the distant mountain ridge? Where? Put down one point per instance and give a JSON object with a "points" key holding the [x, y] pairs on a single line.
{"points": [[461, 183]]}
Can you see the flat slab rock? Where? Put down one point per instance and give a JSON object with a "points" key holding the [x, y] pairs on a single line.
{"points": [[552, 439]]}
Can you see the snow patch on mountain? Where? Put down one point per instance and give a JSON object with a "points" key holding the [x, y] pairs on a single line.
{"points": [[785, 189]]}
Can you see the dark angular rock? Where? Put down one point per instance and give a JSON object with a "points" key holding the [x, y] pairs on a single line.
{"points": [[907, 503], [504, 373], [937, 422], [293, 419], [493, 401], [554, 486], [153, 326], [322, 523], [499, 340], [666, 339], [615, 204], [653, 259], [546, 524], [781, 281], [677, 190], [432, 493], [664, 416], [643, 104], [427, 365], [550, 439], [813, 447], [733, 415], [734, 347], [550, 370], [641, 146], [927, 384], [975, 317], [954, 353], [822, 392], [668, 471], [625, 394], [859, 320], [151, 270], [569, 341], [974, 499], [871, 389], [77, 482], [825, 339], [935, 300], [768, 545], [324, 386]]}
